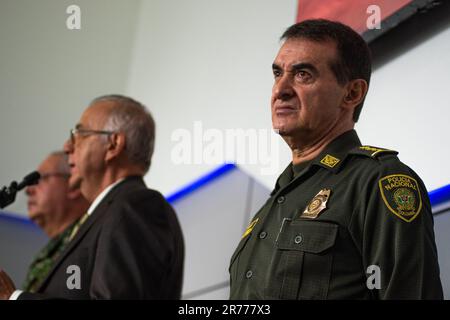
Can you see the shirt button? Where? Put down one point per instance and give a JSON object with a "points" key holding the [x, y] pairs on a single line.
{"points": [[263, 235], [249, 274], [298, 239], [281, 199]]}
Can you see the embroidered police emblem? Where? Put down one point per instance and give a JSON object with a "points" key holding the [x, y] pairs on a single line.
{"points": [[401, 195], [329, 161], [250, 228], [317, 204]]}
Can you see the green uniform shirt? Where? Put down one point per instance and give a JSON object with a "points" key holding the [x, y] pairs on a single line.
{"points": [[354, 223], [43, 262]]}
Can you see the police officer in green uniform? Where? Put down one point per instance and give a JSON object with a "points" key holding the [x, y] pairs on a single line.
{"points": [[345, 221]]}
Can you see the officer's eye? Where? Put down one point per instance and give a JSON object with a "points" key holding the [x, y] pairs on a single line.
{"points": [[303, 76], [276, 73]]}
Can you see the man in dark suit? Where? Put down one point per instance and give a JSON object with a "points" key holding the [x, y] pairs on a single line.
{"points": [[129, 245]]}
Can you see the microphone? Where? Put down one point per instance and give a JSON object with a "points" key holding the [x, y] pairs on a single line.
{"points": [[8, 194], [29, 180]]}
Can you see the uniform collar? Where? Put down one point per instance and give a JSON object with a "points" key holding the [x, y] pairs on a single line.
{"points": [[331, 158], [334, 154]]}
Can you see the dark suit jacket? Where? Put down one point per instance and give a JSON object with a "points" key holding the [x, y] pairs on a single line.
{"points": [[130, 247]]}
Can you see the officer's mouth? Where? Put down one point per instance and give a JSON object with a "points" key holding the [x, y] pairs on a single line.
{"points": [[284, 110]]}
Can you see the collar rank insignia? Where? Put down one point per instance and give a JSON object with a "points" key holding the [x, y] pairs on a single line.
{"points": [[401, 196], [329, 161], [317, 204]]}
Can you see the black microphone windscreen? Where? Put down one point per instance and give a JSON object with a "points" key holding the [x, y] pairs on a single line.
{"points": [[29, 180]]}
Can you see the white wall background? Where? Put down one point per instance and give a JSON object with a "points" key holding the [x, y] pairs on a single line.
{"points": [[213, 227], [205, 60], [408, 109], [210, 61], [48, 74]]}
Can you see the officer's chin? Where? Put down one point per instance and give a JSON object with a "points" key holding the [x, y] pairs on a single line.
{"points": [[281, 128]]}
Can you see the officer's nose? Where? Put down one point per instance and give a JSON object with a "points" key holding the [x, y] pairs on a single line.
{"points": [[282, 88]]}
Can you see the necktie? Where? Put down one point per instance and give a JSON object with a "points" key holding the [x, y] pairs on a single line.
{"points": [[78, 226]]}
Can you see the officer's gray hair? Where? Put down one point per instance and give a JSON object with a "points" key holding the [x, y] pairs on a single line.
{"points": [[135, 121]]}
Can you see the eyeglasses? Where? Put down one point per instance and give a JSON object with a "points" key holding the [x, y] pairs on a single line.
{"points": [[85, 132], [45, 176]]}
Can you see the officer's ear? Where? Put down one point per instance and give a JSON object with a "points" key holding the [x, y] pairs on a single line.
{"points": [[116, 145], [356, 90]]}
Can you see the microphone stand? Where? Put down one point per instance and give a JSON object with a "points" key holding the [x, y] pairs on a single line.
{"points": [[8, 194]]}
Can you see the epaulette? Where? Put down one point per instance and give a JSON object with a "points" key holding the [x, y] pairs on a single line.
{"points": [[372, 152]]}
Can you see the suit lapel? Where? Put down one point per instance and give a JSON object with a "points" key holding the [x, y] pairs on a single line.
{"points": [[98, 212]]}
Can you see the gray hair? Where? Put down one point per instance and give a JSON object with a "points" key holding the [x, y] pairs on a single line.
{"points": [[135, 121], [63, 161]]}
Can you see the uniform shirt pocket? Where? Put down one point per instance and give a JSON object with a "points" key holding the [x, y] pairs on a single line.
{"points": [[301, 264], [306, 235]]}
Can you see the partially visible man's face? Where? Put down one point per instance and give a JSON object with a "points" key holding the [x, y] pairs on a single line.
{"points": [[87, 152], [47, 200], [306, 96]]}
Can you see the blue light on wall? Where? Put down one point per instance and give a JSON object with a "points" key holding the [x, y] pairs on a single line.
{"points": [[440, 196], [437, 197], [183, 192]]}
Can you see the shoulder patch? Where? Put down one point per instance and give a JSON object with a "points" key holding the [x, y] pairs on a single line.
{"points": [[401, 195], [372, 152]]}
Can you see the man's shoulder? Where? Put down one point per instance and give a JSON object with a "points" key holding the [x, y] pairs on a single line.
{"points": [[143, 194], [138, 209], [382, 163], [376, 159], [139, 196], [373, 152], [134, 187]]}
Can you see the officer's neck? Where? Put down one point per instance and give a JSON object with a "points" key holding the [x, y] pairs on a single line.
{"points": [[306, 148]]}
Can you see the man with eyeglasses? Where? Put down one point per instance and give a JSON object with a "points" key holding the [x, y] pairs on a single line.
{"points": [[130, 245], [54, 204], [56, 201]]}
